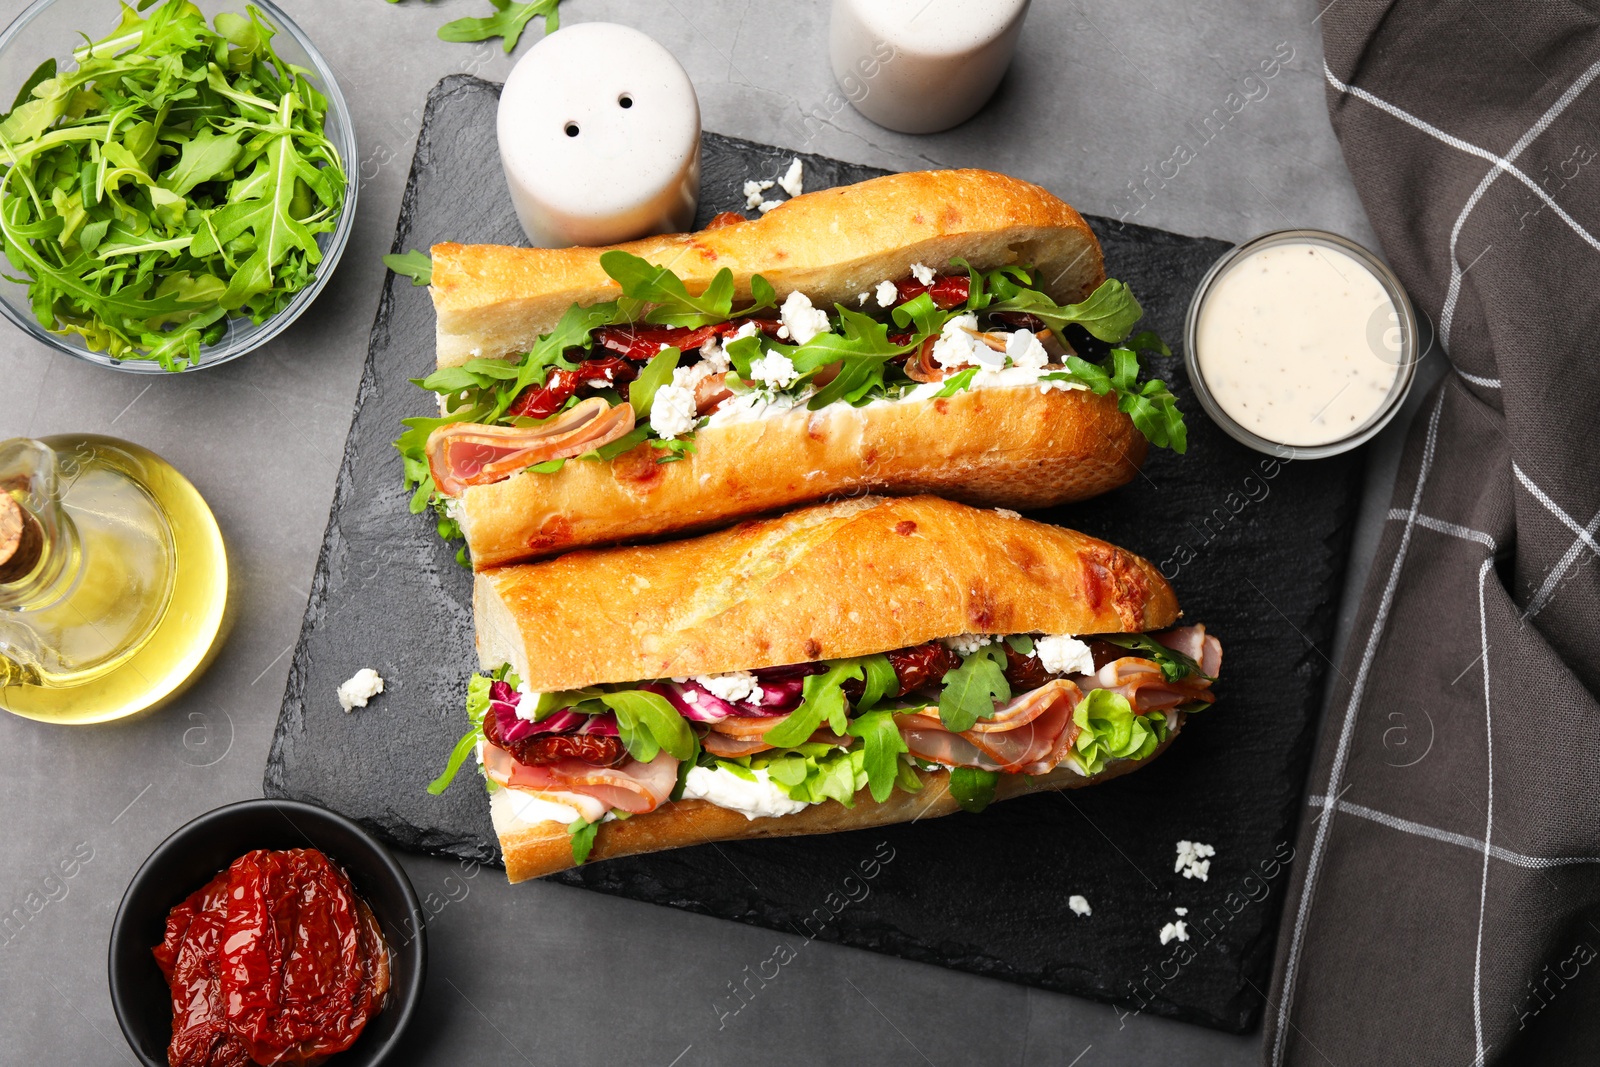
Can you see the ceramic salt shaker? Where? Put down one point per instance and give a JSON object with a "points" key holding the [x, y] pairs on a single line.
{"points": [[919, 66], [599, 132]]}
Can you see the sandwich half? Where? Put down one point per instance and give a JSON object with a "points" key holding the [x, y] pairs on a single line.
{"points": [[869, 661], [946, 331]]}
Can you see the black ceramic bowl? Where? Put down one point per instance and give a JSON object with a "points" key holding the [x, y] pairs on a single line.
{"points": [[192, 857]]}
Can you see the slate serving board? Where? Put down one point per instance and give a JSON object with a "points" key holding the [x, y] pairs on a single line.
{"points": [[1254, 546]]}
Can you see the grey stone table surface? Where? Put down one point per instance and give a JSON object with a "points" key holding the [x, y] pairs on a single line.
{"points": [[1096, 104]]}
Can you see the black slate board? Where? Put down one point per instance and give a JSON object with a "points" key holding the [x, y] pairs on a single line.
{"points": [[1256, 549]]}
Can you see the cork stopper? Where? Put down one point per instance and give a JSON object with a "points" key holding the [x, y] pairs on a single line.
{"points": [[21, 540]]}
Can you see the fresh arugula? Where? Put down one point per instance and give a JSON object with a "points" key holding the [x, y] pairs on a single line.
{"points": [[643, 389], [508, 22], [179, 176], [973, 787], [971, 691], [413, 264], [477, 707], [822, 700], [650, 725], [582, 839], [1174, 664], [881, 745]]}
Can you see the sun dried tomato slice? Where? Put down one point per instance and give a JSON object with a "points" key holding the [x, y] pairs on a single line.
{"points": [[188, 959], [542, 401], [1024, 672], [548, 748], [948, 290]]}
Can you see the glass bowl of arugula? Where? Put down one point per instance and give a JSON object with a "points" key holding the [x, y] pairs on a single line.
{"points": [[176, 181]]}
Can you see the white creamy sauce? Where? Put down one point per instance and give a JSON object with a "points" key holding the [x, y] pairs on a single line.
{"points": [[531, 809], [760, 799], [1294, 343]]}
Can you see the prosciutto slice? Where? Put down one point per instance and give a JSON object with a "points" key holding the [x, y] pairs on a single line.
{"points": [[1194, 642], [1141, 682], [466, 453], [1030, 734], [732, 738], [634, 787]]}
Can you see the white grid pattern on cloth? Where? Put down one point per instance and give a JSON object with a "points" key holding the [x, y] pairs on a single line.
{"points": [[1440, 526], [1341, 753], [1488, 820], [1450, 837], [1585, 537], [1347, 729], [1500, 164], [1476, 379]]}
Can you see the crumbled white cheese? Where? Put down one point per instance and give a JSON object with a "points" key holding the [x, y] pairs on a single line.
{"points": [[966, 644], [1192, 861], [887, 293], [956, 347], [1179, 930], [773, 370], [673, 411], [1007, 513], [1061, 654], [793, 180], [1024, 350], [753, 191], [735, 685], [453, 509], [1181, 911], [758, 404], [1079, 905], [862, 298], [768, 205], [746, 329], [802, 321], [713, 356], [922, 273], [360, 688], [760, 799], [1007, 378]]}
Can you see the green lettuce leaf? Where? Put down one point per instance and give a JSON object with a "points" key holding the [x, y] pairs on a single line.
{"points": [[1109, 729], [582, 838], [822, 700]]}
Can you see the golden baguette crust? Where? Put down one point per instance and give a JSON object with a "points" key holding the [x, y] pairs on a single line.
{"points": [[1012, 447], [844, 579], [533, 850], [494, 301]]}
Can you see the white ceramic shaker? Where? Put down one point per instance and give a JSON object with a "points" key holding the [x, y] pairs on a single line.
{"points": [[919, 66], [599, 130]]}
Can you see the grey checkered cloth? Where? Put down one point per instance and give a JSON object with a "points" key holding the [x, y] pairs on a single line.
{"points": [[1445, 907]]}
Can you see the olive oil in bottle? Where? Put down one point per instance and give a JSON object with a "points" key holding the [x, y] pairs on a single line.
{"points": [[113, 579]]}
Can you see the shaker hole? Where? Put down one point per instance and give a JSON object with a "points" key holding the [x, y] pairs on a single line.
{"points": [[625, 100], [572, 129]]}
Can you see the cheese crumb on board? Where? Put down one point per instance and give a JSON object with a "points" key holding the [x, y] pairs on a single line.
{"points": [[360, 688]]}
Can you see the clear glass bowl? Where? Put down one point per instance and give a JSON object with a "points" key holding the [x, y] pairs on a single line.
{"points": [[54, 28], [1407, 352]]}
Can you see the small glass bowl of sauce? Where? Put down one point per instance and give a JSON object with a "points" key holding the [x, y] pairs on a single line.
{"points": [[1301, 344]]}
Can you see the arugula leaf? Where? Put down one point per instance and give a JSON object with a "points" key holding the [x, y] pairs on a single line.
{"points": [[881, 746], [417, 266], [959, 381], [815, 776], [658, 372], [42, 73], [822, 698], [649, 724], [508, 22], [1108, 313], [1174, 664], [477, 707], [180, 174], [1021, 644], [880, 681], [973, 788], [641, 280], [583, 834], [971, 691]]}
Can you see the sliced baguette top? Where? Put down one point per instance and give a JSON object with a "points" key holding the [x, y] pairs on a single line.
{"points": [[843, 579], [494, 301]]}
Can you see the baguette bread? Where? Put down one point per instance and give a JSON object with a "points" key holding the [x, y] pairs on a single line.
{"points": [[535, 849], [1014, 446], [844, 579], [493, 301]]}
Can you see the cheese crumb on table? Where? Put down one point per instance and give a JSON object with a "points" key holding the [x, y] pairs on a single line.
{"points": [[1178, 930], [360, 688], [793, 181], [1181, 911], [1079, 905], [1193, 861], [753, 191]]}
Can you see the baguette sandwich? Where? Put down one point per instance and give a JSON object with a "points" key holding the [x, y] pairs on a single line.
{"points": [[948, 331], [868, 661]]}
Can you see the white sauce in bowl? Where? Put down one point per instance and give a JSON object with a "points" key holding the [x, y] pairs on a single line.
{"points": [[1297, 343]]}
